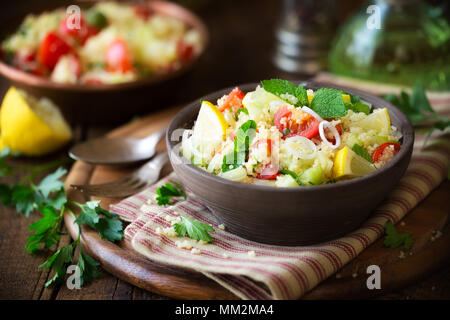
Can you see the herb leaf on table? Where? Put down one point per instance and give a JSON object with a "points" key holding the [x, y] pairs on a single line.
{"points": [[394, 239], [168, 191], [195, 229], [418, 109], [49, 199]]}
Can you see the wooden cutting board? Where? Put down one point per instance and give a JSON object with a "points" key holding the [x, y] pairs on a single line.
{"points": [[427, 253]]}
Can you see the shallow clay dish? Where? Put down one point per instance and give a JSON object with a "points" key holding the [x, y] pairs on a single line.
{"points": [[291, 216], [107, 103]]}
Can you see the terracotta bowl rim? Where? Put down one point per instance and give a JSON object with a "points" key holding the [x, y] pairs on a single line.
{"points": [[28, 79], [407, 143]]}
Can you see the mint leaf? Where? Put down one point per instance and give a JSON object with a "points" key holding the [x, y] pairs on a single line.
{"points": [[280, 88], [195, 229], [293, 175], [393, 239], [302, 96], [362, 152], [357, 107], [328, 103]]}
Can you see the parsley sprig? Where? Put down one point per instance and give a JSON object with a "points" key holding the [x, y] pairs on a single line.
{"points": [[394, 239], [168, 191], [49, 199], [418, 109], [195, 229]]}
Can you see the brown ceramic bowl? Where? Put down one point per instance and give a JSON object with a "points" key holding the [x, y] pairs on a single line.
{"points": [[86, 103], [292, 216]]}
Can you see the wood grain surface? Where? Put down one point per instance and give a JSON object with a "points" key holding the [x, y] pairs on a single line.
{"points": [[247, 46], [121, 260]]}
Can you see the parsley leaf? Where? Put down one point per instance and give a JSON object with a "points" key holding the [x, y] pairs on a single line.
{"points": [[168, 191], [88, 268], [5, 194], [244, 136], [194, 228], [328, 103], [281, 87], [24, 199], [59, 262], [51, 182], [393, 239], [101, 220], [362, 152], [418, 108], [293, 175], [46, 230]]}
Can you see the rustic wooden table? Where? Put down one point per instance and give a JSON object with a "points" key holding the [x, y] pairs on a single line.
{"points": [[241, 35]]}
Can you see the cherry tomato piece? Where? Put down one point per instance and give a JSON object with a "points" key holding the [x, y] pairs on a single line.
{"points": [[378, 152], [117, 57], [51, 49], [80, 34], [185, 51], [233, 101]]}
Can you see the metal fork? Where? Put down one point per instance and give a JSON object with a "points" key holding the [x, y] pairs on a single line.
{"points": [[130, 183]]}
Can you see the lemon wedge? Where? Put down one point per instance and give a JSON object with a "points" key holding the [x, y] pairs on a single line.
{"points": [[30, 126], [378, 120], [209, 131], [345, 98], [348, 164]]}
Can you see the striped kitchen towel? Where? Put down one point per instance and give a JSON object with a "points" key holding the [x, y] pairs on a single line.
{"points": [[257, 271]]}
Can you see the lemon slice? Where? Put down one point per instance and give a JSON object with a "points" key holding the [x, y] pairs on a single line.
{"points": [[209, 131], [345, 97], [378, 120], [30, 126], [348, 163]]}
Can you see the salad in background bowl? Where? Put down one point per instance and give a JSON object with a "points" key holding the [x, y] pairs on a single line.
{"points": [[108, 43], [124, 54], [303, 201]]}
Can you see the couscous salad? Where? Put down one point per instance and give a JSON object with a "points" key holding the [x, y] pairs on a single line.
{"points": [[286, 136], [109, 43]]}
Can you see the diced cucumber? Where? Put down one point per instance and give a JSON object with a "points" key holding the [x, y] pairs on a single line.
{"points": [[286, 181], [312, 176]]}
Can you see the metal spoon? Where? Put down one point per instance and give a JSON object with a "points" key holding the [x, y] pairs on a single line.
{"points": [[114, 151]]}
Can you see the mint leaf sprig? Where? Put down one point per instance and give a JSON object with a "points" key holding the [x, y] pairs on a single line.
{"points": [[284, 89], [418, 109]]}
